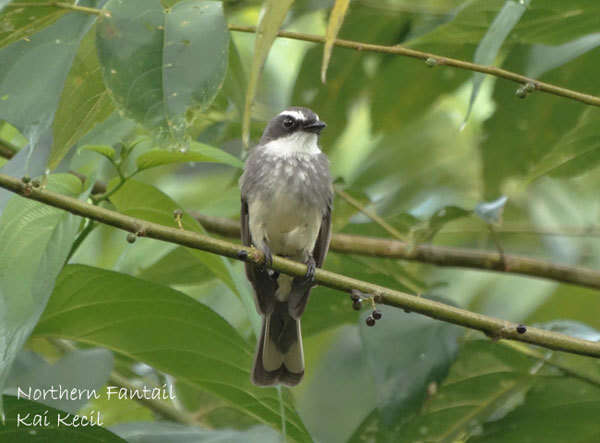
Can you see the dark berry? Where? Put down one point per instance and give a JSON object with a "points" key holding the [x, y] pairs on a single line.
{"points": [[356, 305], [377, 314], [370, 321], [242, 255], [131, 237], [36, 183], [355, 295], [521, 329], [26, 179]]}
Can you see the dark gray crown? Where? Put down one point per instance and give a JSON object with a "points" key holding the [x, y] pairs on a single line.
{"points": [[290, 120]]}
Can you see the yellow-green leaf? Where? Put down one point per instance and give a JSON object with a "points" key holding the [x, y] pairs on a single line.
{"points": [[198, 152], [84, 102], [106, 151], [273, 14], [333, 27]]}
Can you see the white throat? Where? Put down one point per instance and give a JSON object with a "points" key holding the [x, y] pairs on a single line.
{"points": [[297, 143]]}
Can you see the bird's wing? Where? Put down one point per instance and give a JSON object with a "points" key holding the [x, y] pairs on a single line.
{"points": [[264, 286], [322, 243], [300, 290]]}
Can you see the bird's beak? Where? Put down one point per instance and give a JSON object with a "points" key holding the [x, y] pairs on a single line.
{"points": [[315, 127]]}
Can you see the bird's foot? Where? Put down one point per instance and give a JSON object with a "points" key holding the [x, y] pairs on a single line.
{"points": [[309, 278], [268, 260]]}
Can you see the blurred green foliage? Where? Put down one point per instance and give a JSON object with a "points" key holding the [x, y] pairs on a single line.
{"points": [[156, 90]]}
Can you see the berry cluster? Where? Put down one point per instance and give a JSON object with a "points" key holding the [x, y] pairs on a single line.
{"points": [[357, 297]]}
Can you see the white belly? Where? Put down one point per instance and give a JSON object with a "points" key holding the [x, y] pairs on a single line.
{"points": [[288, 227]]}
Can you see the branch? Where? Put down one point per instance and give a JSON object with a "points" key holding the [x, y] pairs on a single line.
{"points": [[435, 255], [438, 60], [431, 59], [493, 327], [63, 5]]}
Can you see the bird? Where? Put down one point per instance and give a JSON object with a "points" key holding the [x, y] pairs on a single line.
{"points": [[286, 203]]}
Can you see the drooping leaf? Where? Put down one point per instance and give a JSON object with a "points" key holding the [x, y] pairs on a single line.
{"points": [[84, 102], [22, 22], [198, 152], [165, 329], [336, 18], [490, 45], [544, 58], [62, 426], [273, 14], [158, 64], [35, 240]]}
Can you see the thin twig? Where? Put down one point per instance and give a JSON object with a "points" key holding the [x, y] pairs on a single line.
{"points": [[435, 255], [438, 60], [371, 214], [493, 327]]}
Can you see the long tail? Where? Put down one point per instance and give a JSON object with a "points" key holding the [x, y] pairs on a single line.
{"points": [[279, 355]]}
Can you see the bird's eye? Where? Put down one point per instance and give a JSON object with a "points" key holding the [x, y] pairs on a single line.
{"points": [[288, 122]]}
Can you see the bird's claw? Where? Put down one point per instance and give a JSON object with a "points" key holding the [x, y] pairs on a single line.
{"points": [[311, 268], [268, 261]]}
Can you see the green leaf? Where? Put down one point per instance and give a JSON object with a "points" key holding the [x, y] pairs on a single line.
{"points": [[523, 131], [28, 103], [55, 432], [486, 380], [198, 152], [104, 150], [405, 353], [557, 409], [18, 23], [576, 152], [148, 203], [158, 64], [488, 48], [84, 102], [178, 267], [35, 240], [551, 22], [272, 16], [336, 18], [176, 433], [544, 58], [165, 329], [236, 80]]}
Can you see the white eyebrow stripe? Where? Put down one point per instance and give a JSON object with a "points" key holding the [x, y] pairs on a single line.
{"points": [[295, 114]]}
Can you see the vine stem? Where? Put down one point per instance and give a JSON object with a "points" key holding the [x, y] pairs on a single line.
{"points": [[493, 327]]}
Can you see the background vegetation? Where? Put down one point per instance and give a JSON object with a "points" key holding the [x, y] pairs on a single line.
{"points": [[150, 101]]}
